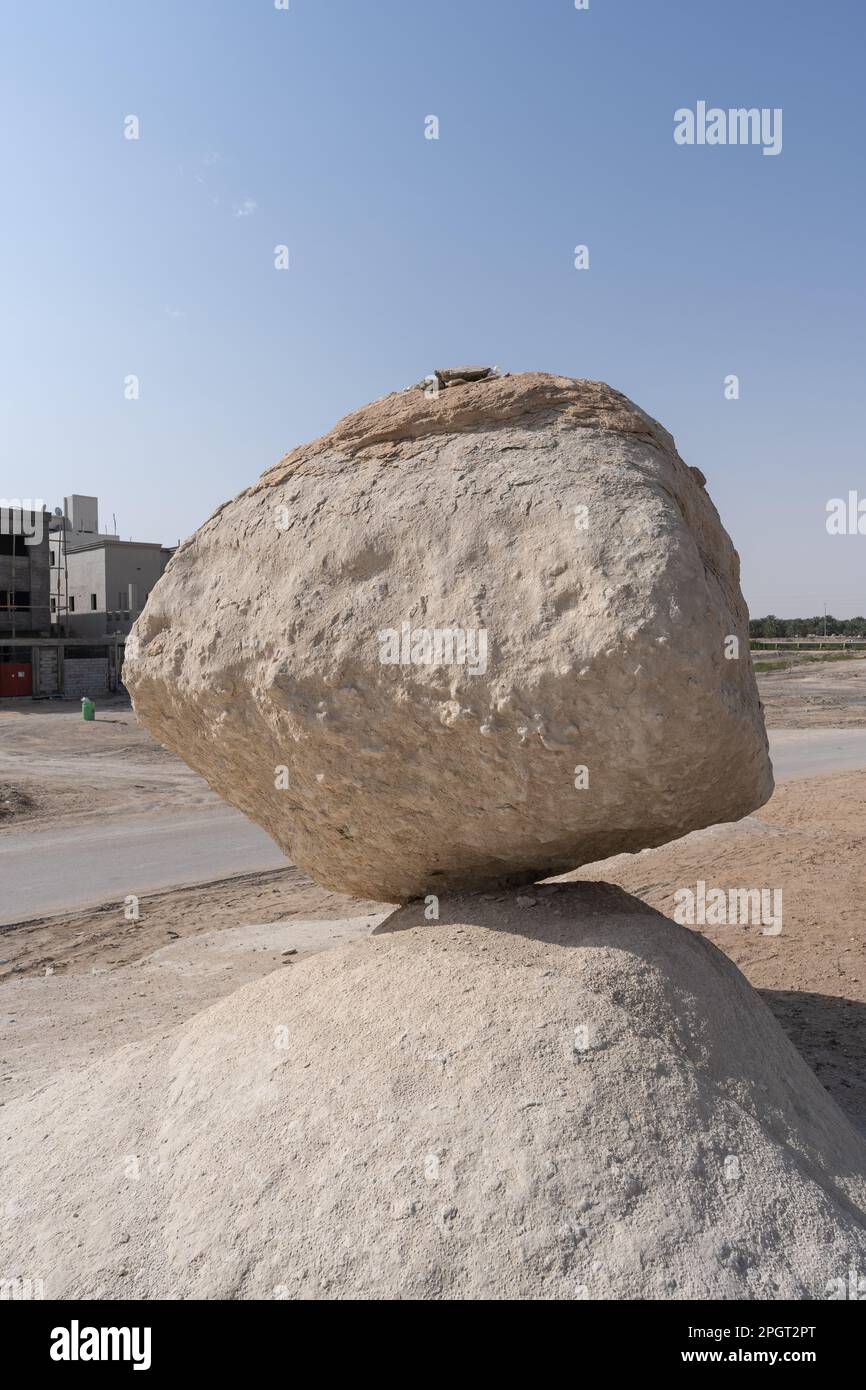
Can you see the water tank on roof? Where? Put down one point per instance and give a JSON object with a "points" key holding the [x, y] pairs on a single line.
{"points": [[82, 513]]}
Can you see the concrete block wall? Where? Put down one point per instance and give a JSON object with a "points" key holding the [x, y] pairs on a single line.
{"points": [[46, 680], [85, 676]]}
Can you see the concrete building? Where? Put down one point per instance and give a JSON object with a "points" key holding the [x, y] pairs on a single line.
{"points": [[100, 583], [24, 594], [69, 594]]}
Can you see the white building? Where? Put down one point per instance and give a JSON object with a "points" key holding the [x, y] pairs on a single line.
{"points": [[99, 583]]}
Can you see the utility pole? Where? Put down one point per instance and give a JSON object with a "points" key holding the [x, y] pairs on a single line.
{"points": [[13, 579], [65, 578]]}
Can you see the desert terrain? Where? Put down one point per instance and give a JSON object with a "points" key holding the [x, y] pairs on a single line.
{"points": [[78, 984]]}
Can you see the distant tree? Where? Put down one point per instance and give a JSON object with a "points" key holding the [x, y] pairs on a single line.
{"points": [[771, 626]]}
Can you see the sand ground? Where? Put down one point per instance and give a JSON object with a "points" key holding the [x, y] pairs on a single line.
{"points": [[78, 985], [51, 774], [817, 695]]}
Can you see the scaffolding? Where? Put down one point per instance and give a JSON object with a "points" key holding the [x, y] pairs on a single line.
{"points": [[61, 597]]}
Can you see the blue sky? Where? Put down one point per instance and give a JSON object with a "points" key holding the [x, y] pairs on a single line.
{"points": [[261, 127]]}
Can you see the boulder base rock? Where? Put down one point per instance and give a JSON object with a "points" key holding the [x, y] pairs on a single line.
{"points": [[576, 1099], [464, 639]]}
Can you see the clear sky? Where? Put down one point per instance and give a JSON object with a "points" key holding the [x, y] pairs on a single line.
{"points": [[262, 127]]}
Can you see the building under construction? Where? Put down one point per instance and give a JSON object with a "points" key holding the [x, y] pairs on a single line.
{"points": [[69, 595]]}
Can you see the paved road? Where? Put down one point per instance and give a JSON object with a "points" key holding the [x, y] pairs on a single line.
{"points": [[48, 871], [43, 872], [806, 752]]}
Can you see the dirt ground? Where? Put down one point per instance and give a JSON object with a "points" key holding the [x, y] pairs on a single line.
{"points": [[817, 695], [51, 772], [75, 986]]}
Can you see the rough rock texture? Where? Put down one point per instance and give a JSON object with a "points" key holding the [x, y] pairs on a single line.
{"points": [[572, 1099], [549, 517]]}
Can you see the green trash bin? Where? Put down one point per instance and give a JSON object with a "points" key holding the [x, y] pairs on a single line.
{"points": [[88, 708]]}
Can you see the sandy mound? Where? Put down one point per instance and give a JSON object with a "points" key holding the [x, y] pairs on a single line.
{"points": [[465, 1108], [465, 640]]}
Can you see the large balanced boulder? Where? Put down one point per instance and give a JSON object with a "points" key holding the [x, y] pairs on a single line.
{"points": [[571, 1099], [481, 632]]}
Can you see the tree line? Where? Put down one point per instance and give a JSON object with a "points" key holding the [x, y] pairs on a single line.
{"points": [[771, 626]]}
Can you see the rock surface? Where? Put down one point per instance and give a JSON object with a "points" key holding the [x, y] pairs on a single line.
{"points": [[577, 1099], [464, 639]]}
